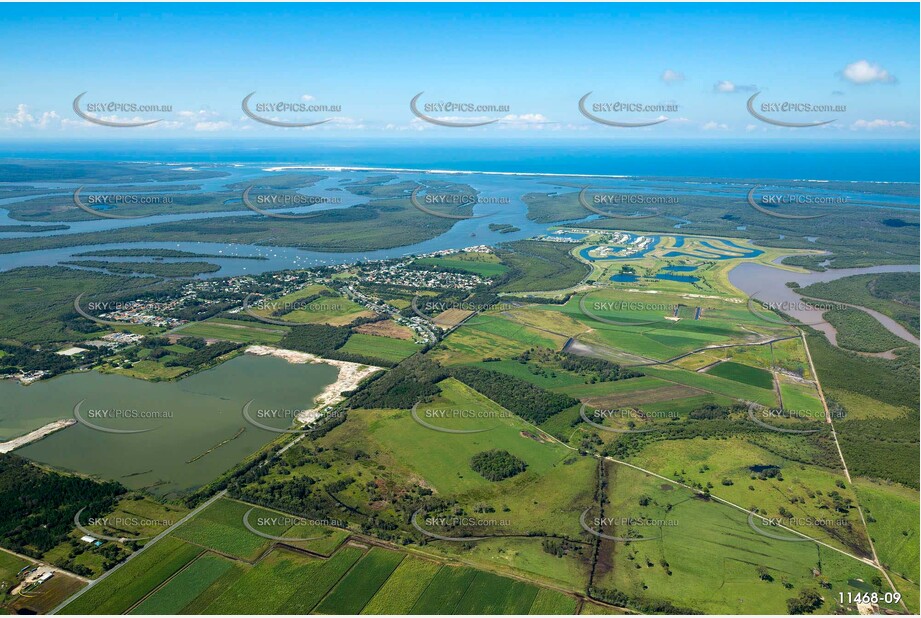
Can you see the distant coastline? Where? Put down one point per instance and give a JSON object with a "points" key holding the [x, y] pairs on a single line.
{"points": [[409, 170]]}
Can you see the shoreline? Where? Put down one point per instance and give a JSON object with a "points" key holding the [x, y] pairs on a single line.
{"points": [[36, 434], [349, 376], [777, 292], [412, 170]]}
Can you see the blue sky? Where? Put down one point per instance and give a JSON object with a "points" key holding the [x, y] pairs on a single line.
{"points": [[702, 62]]}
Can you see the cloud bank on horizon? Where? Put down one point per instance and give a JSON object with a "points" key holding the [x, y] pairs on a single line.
{"points": [[581, 70]]}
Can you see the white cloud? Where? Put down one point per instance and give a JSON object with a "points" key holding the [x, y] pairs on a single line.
{"points": [[864, 72], [526, 122], [669, 76], [21, 118], [526, 118], [199, 115], [879, 123], [183, 120], [727, 86], [341, 122], [211, 126], [530, 121], [308, 97], [714, 126], [47, 119]]}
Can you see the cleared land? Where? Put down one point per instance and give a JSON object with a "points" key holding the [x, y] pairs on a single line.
{"points": [[387, 348]]}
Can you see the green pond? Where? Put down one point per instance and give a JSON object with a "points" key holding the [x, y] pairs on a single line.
{"points": [[195, 427]]}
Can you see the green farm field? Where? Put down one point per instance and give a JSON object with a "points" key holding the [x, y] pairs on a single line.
{"points": [[445, 591], [702, 532], [491, 335], [185, 587], [696, 462], [443, 458], [491, 594], [527, 557], [361, 583], [136, 579], [272, 584], [149, 370], [354, 580], [330, 308], [234, 330], [551, 602], [403, 588], [713, 384], [220, 528], [892, 516], [743, 373], [803, 398], [373, 346], [10, 566]]}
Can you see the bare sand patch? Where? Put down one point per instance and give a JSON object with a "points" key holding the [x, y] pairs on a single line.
{"points": [[35, 436]]}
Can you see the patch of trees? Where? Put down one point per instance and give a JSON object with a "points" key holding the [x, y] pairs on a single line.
{"points": [[561, 547], [196, 343], [556, 300], [496, 465], [197, 309], [300, 303], [892, 381], [875, 447], [644, 606], [594, 369], [860, 331], [363, 359], [605, 371], [410, 382], [37, 507], [153, 342], [894, 294], [766, 472], [817, 449], [291, 494], [325, 340], [806, 602], [884, 448], [75, 322], [319, 339], [368, 319], [712, 411], [528, 401], [899, 287], [159, 269], [21, 358], [203, 356], [629, 444], [538, 266]]}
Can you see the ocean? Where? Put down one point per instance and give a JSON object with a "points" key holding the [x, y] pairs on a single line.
{"points": [[876, 161]]}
